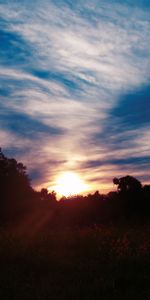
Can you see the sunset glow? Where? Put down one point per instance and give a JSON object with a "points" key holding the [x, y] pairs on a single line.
{"points": [[69, 183], [75, 90]]}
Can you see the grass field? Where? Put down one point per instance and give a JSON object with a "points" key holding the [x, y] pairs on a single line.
{"points": [[88, 263]]}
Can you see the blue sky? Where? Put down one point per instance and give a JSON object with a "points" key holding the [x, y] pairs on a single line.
{"points": [[75, 88]]}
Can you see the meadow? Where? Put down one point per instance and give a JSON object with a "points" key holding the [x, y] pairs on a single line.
{"points": [[99, 262]]}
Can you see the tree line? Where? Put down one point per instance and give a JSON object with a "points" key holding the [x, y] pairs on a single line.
{"points": [[18, 200]]}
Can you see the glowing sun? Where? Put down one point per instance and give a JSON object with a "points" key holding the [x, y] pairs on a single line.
{"points": [[69, 183]]}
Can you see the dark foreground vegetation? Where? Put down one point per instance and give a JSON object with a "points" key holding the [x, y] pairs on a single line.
{"points": [[103, 262], [82, 247]]}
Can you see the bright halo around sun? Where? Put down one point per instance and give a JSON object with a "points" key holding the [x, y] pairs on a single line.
{"points": [[69, 183]]}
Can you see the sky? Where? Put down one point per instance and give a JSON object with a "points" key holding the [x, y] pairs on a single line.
{"points": [[75, 88]]}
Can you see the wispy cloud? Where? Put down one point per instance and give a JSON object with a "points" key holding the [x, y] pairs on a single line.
{"points": [[67, 71]]}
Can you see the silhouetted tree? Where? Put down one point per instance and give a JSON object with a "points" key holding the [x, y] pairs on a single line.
{"points": [[146, 189], [14, 187], [53, 197], [146, 196], [127, 183], [46, 196], [131, 195]]}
